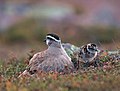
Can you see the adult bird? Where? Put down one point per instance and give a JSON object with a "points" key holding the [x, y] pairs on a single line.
{"points": [[53, 59]]}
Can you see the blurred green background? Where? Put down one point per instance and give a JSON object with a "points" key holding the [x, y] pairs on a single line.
{"points": [[24, 23]]}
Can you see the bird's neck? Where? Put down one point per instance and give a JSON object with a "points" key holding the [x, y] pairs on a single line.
{"points": [[55, 49], [58, 51]]}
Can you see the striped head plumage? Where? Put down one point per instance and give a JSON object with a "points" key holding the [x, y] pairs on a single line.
{"points": [[88, 52], [52, 40]]}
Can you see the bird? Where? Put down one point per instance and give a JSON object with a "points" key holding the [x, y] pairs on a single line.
{"points": [[88, 53], [53, 59], [72, 51]]}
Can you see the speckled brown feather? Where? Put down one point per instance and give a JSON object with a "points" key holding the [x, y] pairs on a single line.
{"points": [[53, 59], [48, 60], [35, 61]]}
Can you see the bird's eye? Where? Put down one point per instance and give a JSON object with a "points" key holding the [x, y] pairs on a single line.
{"points": [[94, 45]]}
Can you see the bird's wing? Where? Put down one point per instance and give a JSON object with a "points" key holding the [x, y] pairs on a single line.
{"points": [[65, 60], [37, 59], [56, 63]]}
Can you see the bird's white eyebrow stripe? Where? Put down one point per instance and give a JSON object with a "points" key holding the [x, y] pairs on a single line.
{"points": [[53, 38]]}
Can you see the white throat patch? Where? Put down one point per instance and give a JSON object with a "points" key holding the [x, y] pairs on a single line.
{"points": [[47, 41]]}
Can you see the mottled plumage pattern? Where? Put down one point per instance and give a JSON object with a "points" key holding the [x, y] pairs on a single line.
{"points": [[88, 53], [35, 61], [55, 60], [70, 49]]}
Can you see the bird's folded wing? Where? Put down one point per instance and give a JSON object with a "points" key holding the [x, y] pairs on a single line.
{"points": [[37, 59]]}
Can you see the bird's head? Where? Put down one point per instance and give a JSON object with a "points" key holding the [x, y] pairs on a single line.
{"points": [[52, 40], [92, 47]]}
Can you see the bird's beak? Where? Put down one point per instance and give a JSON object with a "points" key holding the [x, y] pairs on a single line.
{"points": [[44, 40]]}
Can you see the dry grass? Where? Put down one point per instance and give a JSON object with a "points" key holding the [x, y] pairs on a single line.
{"points": [[106, 78]]}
